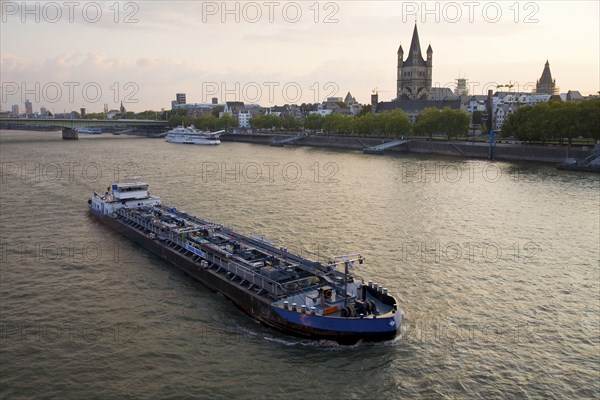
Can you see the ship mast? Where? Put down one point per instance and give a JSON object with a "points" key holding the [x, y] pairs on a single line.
{"points": [[348, 260]]}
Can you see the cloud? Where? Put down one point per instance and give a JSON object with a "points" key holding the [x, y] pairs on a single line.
{"points": [[176, 47]]}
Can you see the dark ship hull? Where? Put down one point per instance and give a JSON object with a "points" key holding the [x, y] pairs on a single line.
{"points": [[293, 322]]}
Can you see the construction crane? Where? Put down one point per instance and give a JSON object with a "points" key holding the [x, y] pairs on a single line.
{"points": [[510, 85], [377, 91]]}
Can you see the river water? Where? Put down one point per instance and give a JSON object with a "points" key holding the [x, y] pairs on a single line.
{"points": [[496, 266]]}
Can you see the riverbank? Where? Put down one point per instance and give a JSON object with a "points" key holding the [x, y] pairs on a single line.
{"points": [[508, 152]]}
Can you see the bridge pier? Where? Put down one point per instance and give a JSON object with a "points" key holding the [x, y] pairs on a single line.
{"points": [[69, 134]]}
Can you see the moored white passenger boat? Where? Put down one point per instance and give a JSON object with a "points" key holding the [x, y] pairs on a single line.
{"points": [[190, 135]]}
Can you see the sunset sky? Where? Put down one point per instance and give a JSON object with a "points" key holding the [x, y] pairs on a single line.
{"points": [[275, 52]]}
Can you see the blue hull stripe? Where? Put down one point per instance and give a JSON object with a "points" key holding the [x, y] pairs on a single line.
{"points": [[348, 325]]}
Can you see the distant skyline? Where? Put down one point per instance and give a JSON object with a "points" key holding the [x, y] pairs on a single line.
{"points": [[85, 54]]}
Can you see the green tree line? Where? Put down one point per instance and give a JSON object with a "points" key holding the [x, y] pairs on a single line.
{"points": [[391, 124], [555, 121], [447, 122], [394, 123]]}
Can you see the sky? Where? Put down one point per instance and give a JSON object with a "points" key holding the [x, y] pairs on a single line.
{"points": [[64, 55]]}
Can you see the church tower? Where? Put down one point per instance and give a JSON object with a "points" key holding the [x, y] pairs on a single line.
{"points": [[415, 74], [399, 77], [546, 85]]}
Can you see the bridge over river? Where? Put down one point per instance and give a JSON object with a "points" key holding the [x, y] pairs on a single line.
{"points": [[69, 126]]}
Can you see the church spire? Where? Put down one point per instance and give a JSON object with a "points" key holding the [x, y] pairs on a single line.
{"points": [[546, 74], [415, 57], [415, 45], [546, 85]]}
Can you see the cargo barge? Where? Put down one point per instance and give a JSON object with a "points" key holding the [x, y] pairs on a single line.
{"points": [[280, 289]]}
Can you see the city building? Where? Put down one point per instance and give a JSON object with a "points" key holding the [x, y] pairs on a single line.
{"points": [[349, 99], [233, 107], [572, 95], [180, 98], [502, 112], [340, 105], [28, 107], [241, 112], [461, 87], [475, 103], [546, 85], [354, 106], [112, 113], [442, 93], [321, 110], [278, 111], [244, 118], [292, 110], [15, 110], [195, 109], [65, 115], [505, 103]]}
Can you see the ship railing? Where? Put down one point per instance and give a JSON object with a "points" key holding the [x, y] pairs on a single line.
{"points": [[358, 278], [275, 288], [301, 285], [303, 263], [134, 218], [244, 273]]}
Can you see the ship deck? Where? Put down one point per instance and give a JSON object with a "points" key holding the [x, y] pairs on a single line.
{"points": [[273, 273], [300, 296], [200, 237]]}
